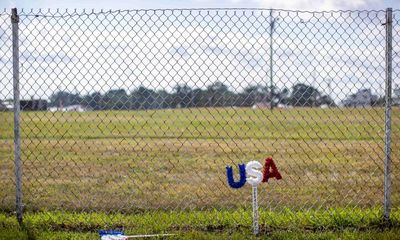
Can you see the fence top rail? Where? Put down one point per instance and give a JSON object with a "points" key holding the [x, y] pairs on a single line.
{"points": [[76, 12]]}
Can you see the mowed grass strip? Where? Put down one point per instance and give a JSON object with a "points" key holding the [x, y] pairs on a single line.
{"points": [[222, 221], [297, 123], [276, 235]]}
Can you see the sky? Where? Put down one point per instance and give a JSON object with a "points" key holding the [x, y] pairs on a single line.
{"points": [[317, 5], [338, 53]]}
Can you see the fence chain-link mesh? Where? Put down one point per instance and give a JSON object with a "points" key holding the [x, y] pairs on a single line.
{"points": [[7, 195], [142, 110]]}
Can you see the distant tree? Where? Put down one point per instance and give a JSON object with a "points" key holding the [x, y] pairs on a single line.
{"points": [[116, 100], [303, 95], [200, 98], [326, 100], [251, 95], [143, 98], [230, 99], [164, 99], [93, 101], [62, 99], [283, 97], [217, 94], [182, 96], [363, 97], [380, 101]]}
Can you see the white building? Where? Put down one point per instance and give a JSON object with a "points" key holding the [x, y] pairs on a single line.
{"points": [[362, 98], [396, 96], [2, 106], [71, 108], [9, 104], [261, 105]]}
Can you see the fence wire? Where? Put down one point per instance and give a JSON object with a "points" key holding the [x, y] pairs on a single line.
{"points": [[7, 196], [141, 110]]}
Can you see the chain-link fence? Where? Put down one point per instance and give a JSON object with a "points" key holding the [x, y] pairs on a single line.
{"points": [[142, 110], [7, 194]]}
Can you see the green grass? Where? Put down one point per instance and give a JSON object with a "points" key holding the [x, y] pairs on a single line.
{"points": [[205, 123], [331, 223], [206, 220], [139, 162], [372, 234]]}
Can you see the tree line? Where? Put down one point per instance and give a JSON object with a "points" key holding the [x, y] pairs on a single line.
{"points": [[217, 94]]}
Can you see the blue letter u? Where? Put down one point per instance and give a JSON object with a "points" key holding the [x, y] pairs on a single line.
{"points": [[231, 180]]}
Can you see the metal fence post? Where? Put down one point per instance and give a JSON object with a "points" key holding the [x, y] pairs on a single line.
{"points": [[388, 115], [17, 137]]}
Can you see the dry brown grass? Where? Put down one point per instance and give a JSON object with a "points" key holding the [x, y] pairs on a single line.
{"points": [[176, 158]]}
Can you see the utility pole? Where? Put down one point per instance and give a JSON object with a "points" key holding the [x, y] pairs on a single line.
{"points": [[329, 80], [271, 31]]}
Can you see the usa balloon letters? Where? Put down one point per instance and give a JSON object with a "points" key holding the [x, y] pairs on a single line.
{"points": [[253, 173]]}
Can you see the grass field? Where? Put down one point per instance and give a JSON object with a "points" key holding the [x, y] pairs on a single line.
{"points": [[132, 161], [346, 223], [284, 235]]}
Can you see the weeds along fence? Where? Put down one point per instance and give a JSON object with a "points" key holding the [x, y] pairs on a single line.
{"points": [[141, 110]]}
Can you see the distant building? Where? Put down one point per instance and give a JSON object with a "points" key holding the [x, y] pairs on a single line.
{"points": [[267, 105], [261, 105], [3, 107], [33, 105], [396, 96], [9, 103], [362, 98], [71, 108]]}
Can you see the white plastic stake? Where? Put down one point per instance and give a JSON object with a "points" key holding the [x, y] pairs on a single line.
{"points": [[255, 211]]}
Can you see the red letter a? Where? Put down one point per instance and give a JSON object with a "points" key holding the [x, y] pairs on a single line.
{"points": [[269, 163]]}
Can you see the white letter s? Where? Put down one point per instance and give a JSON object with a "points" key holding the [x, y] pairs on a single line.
{"points": [[253, 174]]}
